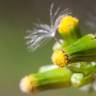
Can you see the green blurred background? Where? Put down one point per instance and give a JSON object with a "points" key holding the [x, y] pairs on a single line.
{"points": [[16, 17]]}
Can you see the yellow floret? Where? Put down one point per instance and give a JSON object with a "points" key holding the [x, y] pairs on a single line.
{"points": [[60, 58], [67, 23], [28, 84]]}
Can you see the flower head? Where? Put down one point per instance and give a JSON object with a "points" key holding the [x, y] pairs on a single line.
{"points": [[28, 84], [67, 24], [60, 58]]}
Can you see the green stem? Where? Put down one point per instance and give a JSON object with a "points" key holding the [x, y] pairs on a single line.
{"points": [[72, 36], [86, 80]]}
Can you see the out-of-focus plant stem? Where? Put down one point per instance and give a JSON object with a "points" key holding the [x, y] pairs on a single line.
{"points": [[85, 68]]}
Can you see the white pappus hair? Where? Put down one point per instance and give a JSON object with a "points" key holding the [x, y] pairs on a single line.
{"points": [[42, 33]]}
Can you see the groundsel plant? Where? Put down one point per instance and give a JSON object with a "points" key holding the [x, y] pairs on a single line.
{"points": [[74, 55]]}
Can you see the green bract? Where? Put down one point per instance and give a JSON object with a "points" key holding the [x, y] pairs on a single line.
{"points": [[85, 43], [84, 49]]}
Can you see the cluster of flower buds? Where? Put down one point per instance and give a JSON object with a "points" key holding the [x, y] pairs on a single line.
{"points": [[74, 54]]}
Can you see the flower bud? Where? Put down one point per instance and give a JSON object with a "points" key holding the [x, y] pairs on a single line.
{"points": [[76, 79], [69, 29]]}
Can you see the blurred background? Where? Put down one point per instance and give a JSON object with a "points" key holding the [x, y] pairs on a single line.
{"points": [[16, 61]]}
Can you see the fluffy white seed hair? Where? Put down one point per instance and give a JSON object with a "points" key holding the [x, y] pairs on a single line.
{"points": [[42, 33]]}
